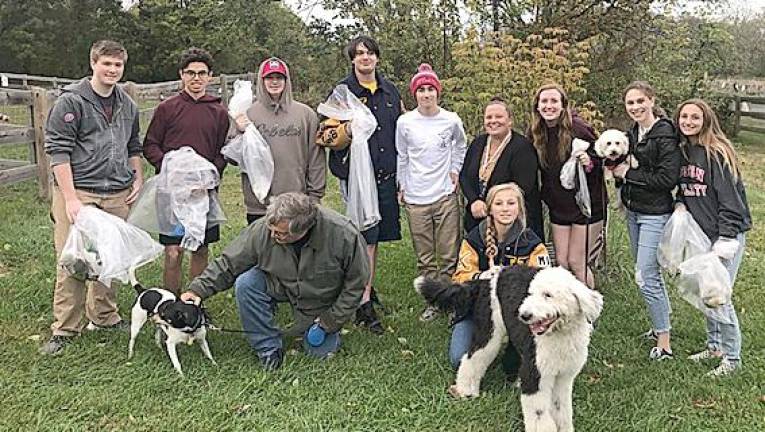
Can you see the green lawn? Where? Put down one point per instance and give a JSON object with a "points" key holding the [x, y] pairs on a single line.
{"points": [[394, 382]]}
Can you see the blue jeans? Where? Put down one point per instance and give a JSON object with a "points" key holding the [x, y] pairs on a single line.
{"points": [[645, 233], [462, 337], [257, 312], [727, 337]]}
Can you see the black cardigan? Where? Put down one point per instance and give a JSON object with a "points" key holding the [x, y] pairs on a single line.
{"points": [[518, 163]]}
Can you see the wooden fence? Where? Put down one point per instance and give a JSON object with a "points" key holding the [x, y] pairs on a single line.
{"points": [[22, 97], [758, 113]]}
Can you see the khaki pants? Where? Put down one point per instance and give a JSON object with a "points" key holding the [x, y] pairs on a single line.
{"points": [[71, 299], [435, 231]]}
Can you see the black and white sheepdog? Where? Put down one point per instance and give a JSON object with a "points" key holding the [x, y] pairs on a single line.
{"points": [[547, 316]]}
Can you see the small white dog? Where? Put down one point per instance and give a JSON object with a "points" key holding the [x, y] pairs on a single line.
{"points": [[180, 321], [614, 146]]}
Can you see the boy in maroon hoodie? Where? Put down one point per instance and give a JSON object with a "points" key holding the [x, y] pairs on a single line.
{"points": [[195, 119]]}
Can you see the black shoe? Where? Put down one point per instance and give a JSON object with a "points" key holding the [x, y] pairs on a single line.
{"points": [[273, 360], [366, 316], [55, 345]]}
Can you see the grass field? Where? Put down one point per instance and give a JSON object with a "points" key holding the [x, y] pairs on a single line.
{"points": [[394, 382]]}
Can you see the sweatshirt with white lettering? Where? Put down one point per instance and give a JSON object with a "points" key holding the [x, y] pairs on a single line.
{"points": [[707, 188]]}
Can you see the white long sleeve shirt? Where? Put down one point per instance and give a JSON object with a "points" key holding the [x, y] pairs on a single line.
{"points": [[429, 148]]}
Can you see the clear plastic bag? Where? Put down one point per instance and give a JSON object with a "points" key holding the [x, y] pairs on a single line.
{"points": [[241, 101], [181, 200], [705, 283], [250, 150], [683, 238], [342, 105], [572, 176], [104, 247], [253, 155]]}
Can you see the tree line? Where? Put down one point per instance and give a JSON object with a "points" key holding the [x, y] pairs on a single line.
{"points": [[482, 47]]}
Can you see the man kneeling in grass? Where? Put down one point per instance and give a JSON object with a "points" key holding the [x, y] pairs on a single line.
{"points": [[301, 253]]}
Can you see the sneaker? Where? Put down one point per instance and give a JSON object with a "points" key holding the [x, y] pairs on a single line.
{"points": [[704, 355], [429, 314], [660, 354], [121, 325], [366, 316], [55, 345], [273, 360], [726, 367], [650, 335]]}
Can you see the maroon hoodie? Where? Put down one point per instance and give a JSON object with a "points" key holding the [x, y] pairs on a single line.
{"points": [[180, 121]]}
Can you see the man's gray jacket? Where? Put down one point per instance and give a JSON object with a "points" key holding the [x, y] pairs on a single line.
{"points": [[327, 281], [78, 133]]}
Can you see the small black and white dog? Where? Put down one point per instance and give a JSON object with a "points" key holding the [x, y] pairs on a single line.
{"points": [[181, 322], [546, 315]]}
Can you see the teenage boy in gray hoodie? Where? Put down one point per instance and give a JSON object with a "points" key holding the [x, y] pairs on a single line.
{"points": [[289, 127], [91, 137], [198, 120]]}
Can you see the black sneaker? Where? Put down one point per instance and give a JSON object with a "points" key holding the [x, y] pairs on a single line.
{"points": [[55, 345], [366, 316], [273, 360]]}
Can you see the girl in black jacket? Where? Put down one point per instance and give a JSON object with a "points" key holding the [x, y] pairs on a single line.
{"points": [[712, 191], [647, 195], [502, 155]]}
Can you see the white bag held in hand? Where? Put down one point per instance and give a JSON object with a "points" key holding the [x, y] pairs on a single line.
{"points": [[104, 247], [683, 238], [572, 173], [342, 105], [705, 284], [241, 101], [250, 150]]}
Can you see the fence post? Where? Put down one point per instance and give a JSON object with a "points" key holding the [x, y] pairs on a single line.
{"points": [[132, 90], [40, 106], [224, 88], [737, 116]]}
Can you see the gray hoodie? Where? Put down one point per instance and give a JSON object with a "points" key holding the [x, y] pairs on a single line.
{"points": [[289, 127], [77, 132]]}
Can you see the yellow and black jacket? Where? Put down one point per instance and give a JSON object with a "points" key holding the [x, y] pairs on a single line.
{"points": [[520, 246]]}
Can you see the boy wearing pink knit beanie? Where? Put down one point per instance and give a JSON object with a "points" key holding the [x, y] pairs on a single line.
{"points": [[431, 147]]}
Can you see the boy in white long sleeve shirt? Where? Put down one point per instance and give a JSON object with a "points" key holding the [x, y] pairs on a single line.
{"points": [[431, 147]]}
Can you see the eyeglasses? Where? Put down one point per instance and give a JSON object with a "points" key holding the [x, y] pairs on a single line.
{"points": [[193, 74]]}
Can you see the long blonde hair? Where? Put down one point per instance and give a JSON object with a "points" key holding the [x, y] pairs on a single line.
{"points": [[538, 129], [712, 137], [491, 237]]}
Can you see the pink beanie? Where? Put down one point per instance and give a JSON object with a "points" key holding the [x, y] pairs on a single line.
{"points": [[424, 76]]}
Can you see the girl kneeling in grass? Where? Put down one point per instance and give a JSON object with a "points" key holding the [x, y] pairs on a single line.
{"points": [[501, 239]]}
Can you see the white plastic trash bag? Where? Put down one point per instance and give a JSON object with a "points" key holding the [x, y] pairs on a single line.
{"points": [[683, 238], [104, 247], [241, 101], [572, 176], [705, 283], [250, 150], [342, 105], [181, 200]]}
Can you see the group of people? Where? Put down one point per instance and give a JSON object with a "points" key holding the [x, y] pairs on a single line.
{"points": [[295, 250]]}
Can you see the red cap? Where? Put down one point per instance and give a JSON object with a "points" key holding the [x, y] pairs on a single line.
{"points": [[424, 75], [272, 65]]}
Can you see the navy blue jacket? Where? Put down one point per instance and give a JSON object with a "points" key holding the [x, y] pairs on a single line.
{"points": [[385, 104]]}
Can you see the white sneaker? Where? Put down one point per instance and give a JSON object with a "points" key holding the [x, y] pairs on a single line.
{"points": [[726, 367], [703, 355], [659, 354], [429, 314]]}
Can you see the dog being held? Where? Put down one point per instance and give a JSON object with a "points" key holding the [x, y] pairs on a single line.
{"points": [[180, 321], [546, 314], [614, 146]]}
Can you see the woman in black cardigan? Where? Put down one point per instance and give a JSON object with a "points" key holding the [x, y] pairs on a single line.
{"points": [[502, 155]]}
